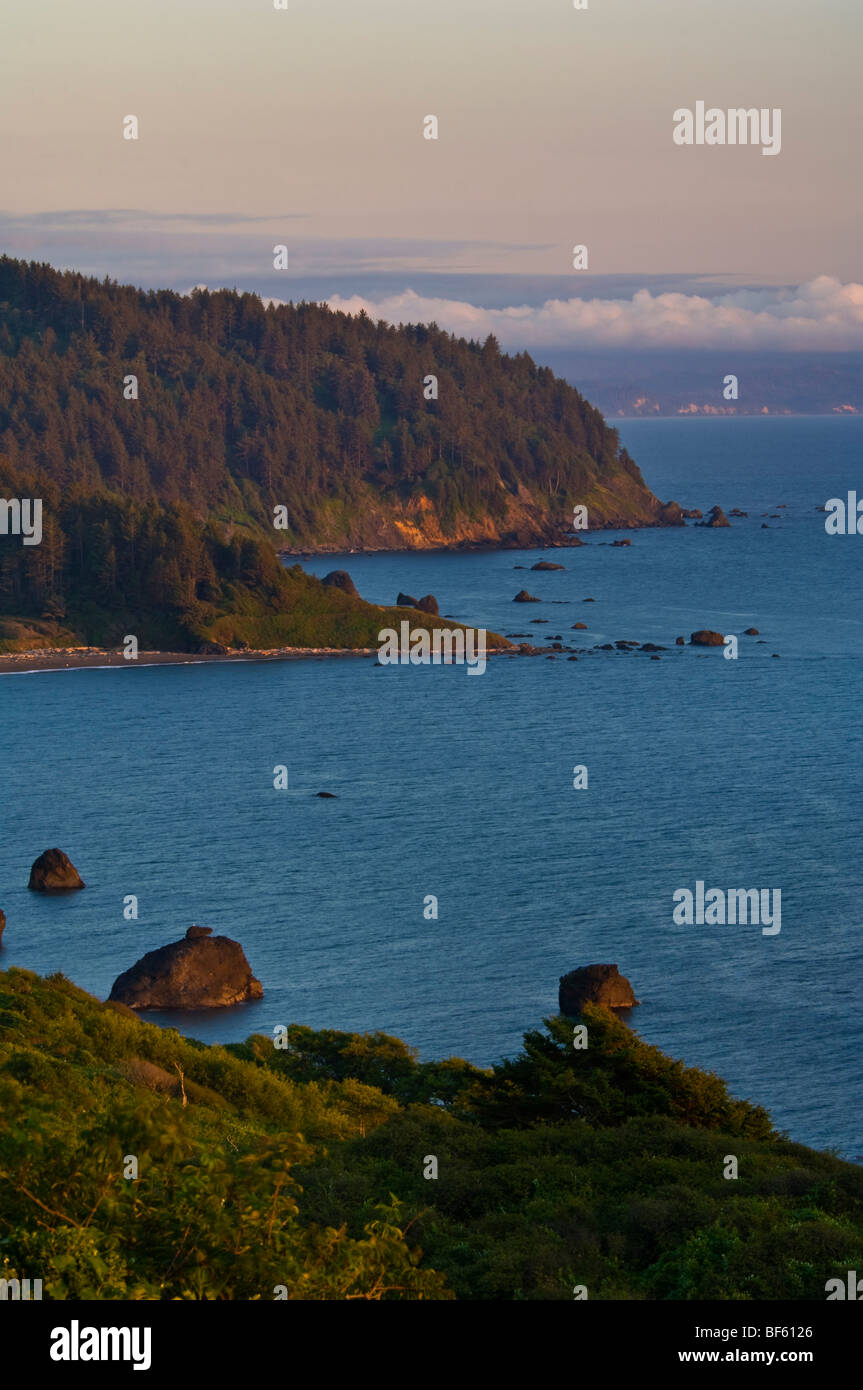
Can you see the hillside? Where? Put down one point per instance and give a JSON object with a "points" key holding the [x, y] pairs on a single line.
{"points": [[242, 407], [109, 565], [303, 1168]]}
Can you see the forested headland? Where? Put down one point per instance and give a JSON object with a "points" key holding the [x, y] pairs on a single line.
{"points": [[163, 430]]}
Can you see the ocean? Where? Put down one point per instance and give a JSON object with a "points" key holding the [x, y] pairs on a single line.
{"points": [[158, 782]]}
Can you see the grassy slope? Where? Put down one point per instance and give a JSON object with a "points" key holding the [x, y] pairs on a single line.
{"points": [[303, 1167]]}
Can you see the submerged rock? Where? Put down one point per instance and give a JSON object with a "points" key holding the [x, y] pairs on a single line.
{"points": [[595, 984], [547, 565], [54, 872], [751, 632], [199, 972]]}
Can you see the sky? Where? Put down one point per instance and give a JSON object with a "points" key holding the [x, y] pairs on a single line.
{"points": [[304, 127]]}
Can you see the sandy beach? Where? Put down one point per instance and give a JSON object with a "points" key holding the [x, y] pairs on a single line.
{"points": [[72, 658]]}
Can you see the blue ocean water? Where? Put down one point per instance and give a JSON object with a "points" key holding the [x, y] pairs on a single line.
{"points": [[158, 782]]}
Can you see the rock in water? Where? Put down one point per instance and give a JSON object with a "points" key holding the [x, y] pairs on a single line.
{"points": [[199, 972], [705, 638], [428, 604], [715, 517], [340, 579], [594, 984], [524, 597], [547, 565], [2, 923], [406, 601], [54, 872]]}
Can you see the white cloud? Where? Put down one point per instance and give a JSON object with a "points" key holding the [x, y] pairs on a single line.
{"points": [[820, 315]]}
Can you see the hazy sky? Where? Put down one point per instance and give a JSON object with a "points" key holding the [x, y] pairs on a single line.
{"points": [[305, 127]]}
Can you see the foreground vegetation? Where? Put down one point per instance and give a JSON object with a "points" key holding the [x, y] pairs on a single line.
{"points": [[303, 1167]]}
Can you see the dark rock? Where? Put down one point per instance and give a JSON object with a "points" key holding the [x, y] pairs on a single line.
{"points": [[652, 647], [406, 601], [328, 796], [589, 600], [680, 641], [580, 626], [693, 513], [656, 658], [715, 517], [751, 632], [194, 933], [705, 638], [2, 923], [428, 604], [340, 579], [735, 511], [524, 597], [764, 526], [623, 542], [54, 872], [547, 565], [775, 656], [672, 514], [199, 972], [572, 658], [594, 984]]}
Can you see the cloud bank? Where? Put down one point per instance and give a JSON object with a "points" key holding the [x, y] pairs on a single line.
{"points": [[821, 315]]}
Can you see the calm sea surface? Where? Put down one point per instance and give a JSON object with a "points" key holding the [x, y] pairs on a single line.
{"points": [[158, 781]]}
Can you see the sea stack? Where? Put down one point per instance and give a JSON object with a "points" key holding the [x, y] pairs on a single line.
{"points": [[594, 984], [200, 972], [54, 872]]}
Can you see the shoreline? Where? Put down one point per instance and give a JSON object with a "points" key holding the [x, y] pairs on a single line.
{"points": [[81, 658]]}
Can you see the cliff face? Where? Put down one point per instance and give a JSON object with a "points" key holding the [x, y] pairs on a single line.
{"points": [[524, 519], [315, 429]]}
